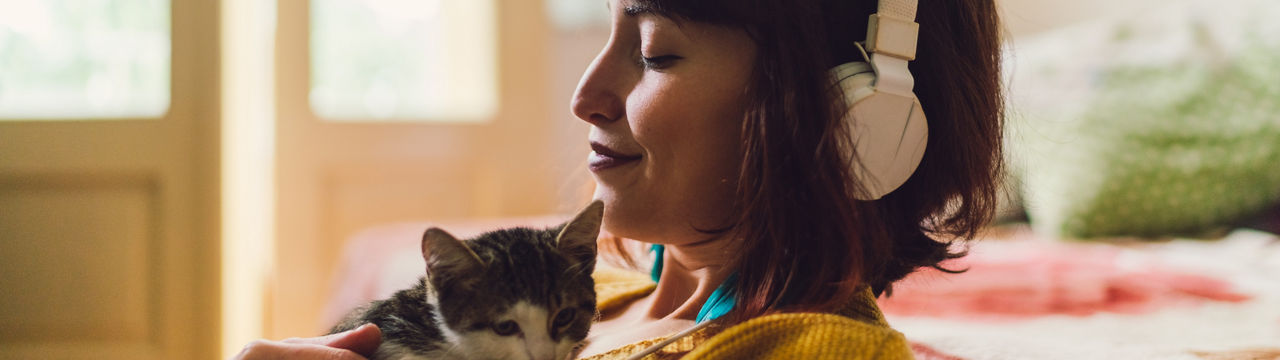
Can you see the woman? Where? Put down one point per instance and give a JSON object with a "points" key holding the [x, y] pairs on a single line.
{"points": [[717, 134], [716, 138]]}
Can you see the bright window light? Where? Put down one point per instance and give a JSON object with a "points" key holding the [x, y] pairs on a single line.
{"points": [[77, 59], [403, 60]]}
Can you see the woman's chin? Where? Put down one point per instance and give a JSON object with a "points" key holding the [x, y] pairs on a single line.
{"points": [[621, 228], [626, 223]]}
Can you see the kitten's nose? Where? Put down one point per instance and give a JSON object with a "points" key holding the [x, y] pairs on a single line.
{"points": [[539, 350]]}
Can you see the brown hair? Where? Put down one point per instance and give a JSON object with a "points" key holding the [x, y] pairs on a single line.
{"points": [[808, 245]]}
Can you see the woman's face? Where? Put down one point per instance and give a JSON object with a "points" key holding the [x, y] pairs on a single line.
{"points": [[665, 101]]}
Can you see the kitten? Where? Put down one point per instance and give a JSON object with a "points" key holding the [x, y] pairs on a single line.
{"points": [[508, 294]]}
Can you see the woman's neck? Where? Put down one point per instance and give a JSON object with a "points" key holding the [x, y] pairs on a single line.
{"points": [[690, 273]]}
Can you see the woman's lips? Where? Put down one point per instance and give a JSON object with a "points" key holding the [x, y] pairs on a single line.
{"points": [[602, 158]]}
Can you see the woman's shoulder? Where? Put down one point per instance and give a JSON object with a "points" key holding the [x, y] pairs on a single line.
{"points": [[804, 336]]}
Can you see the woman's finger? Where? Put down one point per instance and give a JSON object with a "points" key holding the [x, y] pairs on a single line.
{"points": [[363, 340], [278, 350], [354, 344]]}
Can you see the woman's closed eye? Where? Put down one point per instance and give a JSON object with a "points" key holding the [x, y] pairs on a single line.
{"points": [[659, 62]]}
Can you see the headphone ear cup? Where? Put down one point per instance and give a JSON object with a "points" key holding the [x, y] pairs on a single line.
{"points": [[890, 131]]}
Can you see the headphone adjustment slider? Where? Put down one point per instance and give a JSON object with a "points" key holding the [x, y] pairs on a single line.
{"points": [[892, 36]]}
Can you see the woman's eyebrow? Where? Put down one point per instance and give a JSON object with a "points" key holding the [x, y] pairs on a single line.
{"points": [[632, 9], [636, 10], [640, 8]]}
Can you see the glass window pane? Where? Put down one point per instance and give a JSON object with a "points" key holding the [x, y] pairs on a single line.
{"points": [[84, 59], [415, 60]]}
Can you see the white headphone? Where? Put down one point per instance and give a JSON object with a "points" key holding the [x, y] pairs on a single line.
{"points": [[886, 120]]}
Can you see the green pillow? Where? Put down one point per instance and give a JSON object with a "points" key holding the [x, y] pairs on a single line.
{"points": [[1177, 145]]}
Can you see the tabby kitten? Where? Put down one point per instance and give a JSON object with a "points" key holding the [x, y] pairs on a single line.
{"points": [[516, 293]]}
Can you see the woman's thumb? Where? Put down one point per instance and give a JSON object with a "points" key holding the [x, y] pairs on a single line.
{"points": [[363, 340]]}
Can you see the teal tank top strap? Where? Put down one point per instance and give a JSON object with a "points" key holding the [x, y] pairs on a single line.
{"points": [[721, 300], [656, 271]]}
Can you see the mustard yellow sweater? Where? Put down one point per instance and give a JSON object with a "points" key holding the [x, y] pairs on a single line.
{"points": [[859, 331]]}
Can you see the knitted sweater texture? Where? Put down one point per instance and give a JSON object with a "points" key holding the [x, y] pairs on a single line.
{"points": [[859, 331]]}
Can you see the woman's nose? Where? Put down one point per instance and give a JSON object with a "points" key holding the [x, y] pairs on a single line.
{"points": [[599, 97]]}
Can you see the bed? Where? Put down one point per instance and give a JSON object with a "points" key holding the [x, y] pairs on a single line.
{"points": [[1027, 297]]}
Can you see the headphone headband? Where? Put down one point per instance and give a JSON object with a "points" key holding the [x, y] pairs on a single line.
{"points": [[892, 34], [901, 9]]}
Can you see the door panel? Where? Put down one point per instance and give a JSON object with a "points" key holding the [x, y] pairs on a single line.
{"points": [[109, 229]]}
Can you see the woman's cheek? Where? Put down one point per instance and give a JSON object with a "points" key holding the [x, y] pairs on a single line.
{"points": [[664, 118]]}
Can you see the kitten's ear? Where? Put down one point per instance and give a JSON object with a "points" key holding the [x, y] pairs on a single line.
{"points": [[577, 239], [446, 254]]}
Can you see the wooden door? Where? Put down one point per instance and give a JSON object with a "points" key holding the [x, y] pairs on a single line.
{"points": [[109, 226]]}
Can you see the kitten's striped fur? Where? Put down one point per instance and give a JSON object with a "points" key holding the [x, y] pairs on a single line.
{"points": [[516, 293]]}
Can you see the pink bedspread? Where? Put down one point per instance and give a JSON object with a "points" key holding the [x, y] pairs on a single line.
{"points": [[1025, 297], [1014, 280]]}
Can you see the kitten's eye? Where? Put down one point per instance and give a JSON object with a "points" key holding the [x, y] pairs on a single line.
{"points": [[564, 318], [506, 328]]}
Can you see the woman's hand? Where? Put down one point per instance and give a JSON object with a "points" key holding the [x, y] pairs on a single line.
{"points": [[353, 344]]}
